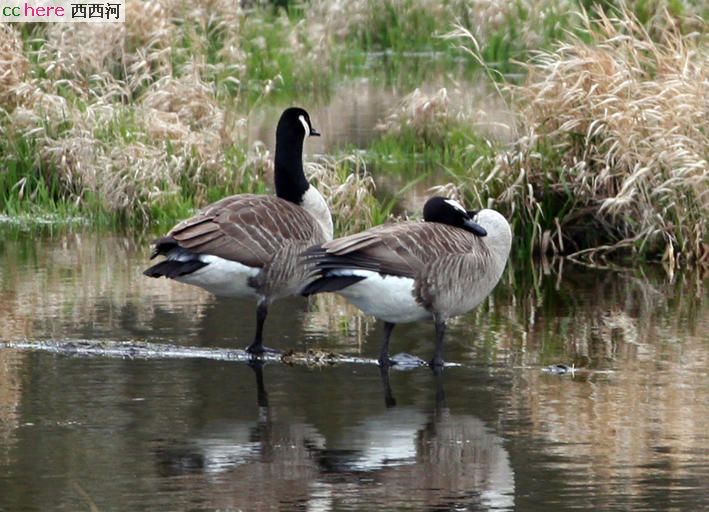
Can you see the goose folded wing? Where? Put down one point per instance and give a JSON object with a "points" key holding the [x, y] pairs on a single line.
{"points": [[391, 249], [249, 229], [396, 249]]}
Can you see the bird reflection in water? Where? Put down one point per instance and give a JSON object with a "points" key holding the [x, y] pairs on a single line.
{"points": [[261, 394], [398, 455]]}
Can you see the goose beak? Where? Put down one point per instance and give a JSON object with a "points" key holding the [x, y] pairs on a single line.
{"points": [[474, 228], [314, 132]]}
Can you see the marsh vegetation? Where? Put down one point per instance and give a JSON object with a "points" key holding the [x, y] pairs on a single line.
{"points": [[585, 123]]}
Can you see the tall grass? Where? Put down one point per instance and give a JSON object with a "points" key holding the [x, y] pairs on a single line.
{"points": [[613, 143], [350, 192], [130, 119], [140, 123], [443, 132], [404, 36], [128, 123]]}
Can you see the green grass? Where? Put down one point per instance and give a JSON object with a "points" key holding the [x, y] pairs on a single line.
{"points": [[25, 186], [459, 152]]}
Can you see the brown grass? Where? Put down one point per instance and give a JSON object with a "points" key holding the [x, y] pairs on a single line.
{"points": [[13, 67], [348, 189], [115, 121], [613, 142], [427, 115], [612, 134], [131, 132], [431, 114]]}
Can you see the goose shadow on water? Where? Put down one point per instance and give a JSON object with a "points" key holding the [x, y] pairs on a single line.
{"points": [[399, 455], [261, 393]]}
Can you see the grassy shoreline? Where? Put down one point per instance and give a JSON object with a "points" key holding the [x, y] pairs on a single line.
{"points": [[137, 125]]}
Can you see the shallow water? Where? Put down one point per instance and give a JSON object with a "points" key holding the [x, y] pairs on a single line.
{"points": [[625, 430]]}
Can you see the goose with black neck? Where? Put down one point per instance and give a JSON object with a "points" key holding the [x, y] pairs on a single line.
{"points": [[410, 271], [247, 245]]}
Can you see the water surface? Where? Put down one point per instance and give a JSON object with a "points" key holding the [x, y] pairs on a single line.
{"points": [[625, 430]]}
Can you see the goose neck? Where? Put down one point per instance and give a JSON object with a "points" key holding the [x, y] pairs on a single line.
{"points": [[289, 177]]}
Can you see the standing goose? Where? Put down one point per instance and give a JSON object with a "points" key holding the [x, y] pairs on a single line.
{"points": [[248, 245], [411, 271]]}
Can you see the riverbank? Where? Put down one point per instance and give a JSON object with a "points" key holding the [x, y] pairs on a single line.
{"points": [[588, 131]]}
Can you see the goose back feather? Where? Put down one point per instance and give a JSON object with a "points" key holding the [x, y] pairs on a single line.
{"points": [[260, 232], [452, 269]]}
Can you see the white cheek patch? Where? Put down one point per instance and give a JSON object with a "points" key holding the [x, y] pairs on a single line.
{"points": [[455, 204], [305, 125]]}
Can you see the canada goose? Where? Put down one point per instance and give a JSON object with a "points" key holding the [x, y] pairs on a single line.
{"points": [[248, 245], [411, 271]]}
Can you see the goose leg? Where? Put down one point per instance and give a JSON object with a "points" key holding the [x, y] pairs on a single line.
{"points": [[384, 360], [437, 361], [257, 348]]}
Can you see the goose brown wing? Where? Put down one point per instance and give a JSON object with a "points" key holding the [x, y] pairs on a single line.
{"points": [[246, 228], [396, 249]]}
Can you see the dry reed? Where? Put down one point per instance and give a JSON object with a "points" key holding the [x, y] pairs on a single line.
{"points": [[348, 189], [612, 151], [13, 67], [614, 142], [427, 115]]}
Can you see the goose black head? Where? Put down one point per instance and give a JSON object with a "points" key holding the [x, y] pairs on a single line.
{"points": [[295, 124], [451, 212]]}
